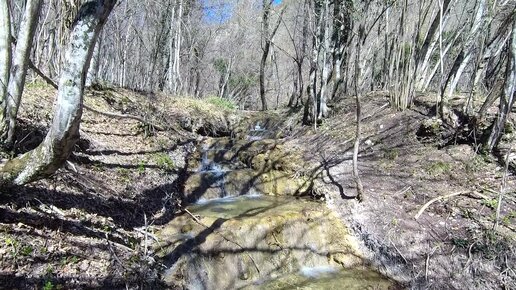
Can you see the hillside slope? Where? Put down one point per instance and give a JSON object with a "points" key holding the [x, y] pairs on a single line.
{"points": [[91, 225]]}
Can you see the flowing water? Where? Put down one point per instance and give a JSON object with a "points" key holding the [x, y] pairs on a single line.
{"points": [[253, 241]]}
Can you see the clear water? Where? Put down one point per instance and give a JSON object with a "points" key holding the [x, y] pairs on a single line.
{"points": [[325, 278]]}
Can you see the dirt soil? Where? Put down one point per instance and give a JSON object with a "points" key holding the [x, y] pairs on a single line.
{"points": [[91, 225], [452, 244]]}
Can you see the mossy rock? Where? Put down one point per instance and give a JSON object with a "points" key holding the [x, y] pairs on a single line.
{"points": [[208, 185], [245, 240], [271, 155], [276, 182]]}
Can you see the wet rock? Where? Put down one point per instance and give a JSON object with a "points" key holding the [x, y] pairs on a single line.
{"points": [[254, 239]]}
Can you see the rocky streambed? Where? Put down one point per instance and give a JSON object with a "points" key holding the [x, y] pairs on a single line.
{"points": [[249, 225]]}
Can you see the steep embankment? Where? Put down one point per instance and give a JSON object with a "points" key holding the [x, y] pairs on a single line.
{"points": [[452, 243]]}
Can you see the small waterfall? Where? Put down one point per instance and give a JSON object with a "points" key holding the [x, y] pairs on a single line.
{"points": [[257, 132], [215, 170]]}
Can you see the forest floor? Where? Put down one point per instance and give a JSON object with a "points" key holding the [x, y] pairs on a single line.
{"points": [[92, 224]]}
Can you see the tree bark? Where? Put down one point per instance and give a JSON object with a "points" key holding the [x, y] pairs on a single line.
{"points": [[20, 66], [91, 77], [267, 36], [358, 128], [64, 131], [430, 35], [5, 62], [322, 110], [507, 97]]}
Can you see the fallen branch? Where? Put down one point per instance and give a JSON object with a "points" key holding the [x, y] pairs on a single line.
{"points": [[107, 114], [426, 205], [375, 112], [123, 116]]}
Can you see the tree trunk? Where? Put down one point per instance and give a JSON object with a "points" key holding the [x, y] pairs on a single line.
{"points": [[20, 66], [5, 62], [358, 129], [267, 38], [463, 58], [507, 97], [64, 131], [262, 77], [91, 77], [322, 111], [266, 47], [430, 39]]}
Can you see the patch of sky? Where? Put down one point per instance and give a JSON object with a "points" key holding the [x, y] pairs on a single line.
{"points": [[220, 11], [217, 12]]}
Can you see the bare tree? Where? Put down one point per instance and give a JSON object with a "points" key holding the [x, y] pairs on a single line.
{"points": [[19, 70], [267, 36], [64, 131], [5, 61]]}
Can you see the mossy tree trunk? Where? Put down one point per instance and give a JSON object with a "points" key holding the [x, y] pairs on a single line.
{"points": [[64, 131]]}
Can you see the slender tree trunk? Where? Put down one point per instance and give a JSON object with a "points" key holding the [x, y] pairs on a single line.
{"points": [[431, 38], [267, 37], [171, 53], [266, 47], [20, 66], [64, 131], [507, 98], [5, 63], [322, 111], [176, 64], [358, 129], [91, 77], [463, 58]]}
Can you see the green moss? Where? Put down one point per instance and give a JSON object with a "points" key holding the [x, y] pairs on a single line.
{"points": [[475, 164], [391, 154], [438, 168], [164, 161], [222, 103]]}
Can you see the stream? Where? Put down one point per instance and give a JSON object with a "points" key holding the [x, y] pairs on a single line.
{"points": [[237, 234]]}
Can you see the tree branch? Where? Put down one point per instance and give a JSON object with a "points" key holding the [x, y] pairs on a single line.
{"points": [[107, 114]]}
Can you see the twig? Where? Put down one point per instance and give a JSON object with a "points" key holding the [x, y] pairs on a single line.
{"points": [[145, 232], [427, 263], [404, 190], [113, 252], [52, 208], [426, 205], [72, 166], [503, 188], [466, 265], [479, 195], [224, 237], [399, 252], [123, 116]]}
